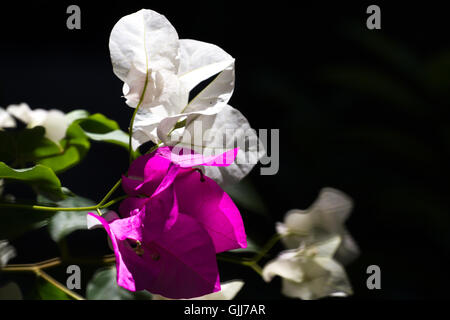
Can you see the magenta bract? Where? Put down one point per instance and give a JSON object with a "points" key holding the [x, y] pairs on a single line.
{"points": [[172, 225]]}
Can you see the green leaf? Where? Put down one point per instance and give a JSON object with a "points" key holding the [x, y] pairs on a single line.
{"points": [[98, 123], [32, 143], [103, 286], [75, 147], [7, 146], [48, 291], [41, 178], [16, 222], [100, 128], [251, 247], [26, 145], [63, 223], [116, 137], [77, 115]]}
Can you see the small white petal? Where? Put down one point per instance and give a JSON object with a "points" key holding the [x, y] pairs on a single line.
{"points": [[201, 60], [287, 265], [20, 111], [321, 275], [93, 223], [348, 251], [37, 117], [54, 121], [167, 104], [228, 291], [210, 101], [296, 290], [326, 248], [323, 219], [334, 206], [215, 134], [55, 124], [141, 44], [338, 284], [6, 121]]}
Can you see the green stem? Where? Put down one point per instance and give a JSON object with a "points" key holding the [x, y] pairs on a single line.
{"points": [[253, 262], [255, 266], [130, 129], [56, 209], [110, 192], [248, 263], [44, 208], [269, 245], [38, 269], [58, 285], [113, 201]]}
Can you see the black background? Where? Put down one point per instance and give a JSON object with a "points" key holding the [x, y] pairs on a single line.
{"points": [[364, 111]]}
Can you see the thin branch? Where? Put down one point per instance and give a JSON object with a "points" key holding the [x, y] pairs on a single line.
{"points": [[58, 285], [269, 245], [110, 192]]}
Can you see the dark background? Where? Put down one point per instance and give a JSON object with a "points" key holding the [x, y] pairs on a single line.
{"points": [[364, 111]]}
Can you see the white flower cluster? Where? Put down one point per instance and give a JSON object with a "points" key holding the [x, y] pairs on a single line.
{"points": [[54, 121], [159, 71], [318, 245]]}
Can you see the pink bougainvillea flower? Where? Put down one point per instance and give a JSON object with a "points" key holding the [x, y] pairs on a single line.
{"points": [[173, 223], [180, 264]]}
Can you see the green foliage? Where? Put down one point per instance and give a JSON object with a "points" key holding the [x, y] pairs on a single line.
{"points": [[47, 291], [74, 148], [16, 222], [103, 286], [29, 146], [41, 178], [100, 128], [63, 223], [25, 146], [252, 246]]}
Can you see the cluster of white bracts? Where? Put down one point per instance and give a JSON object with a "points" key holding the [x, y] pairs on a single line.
{"points": [[54, 121], [159, 70], [318, 246]]}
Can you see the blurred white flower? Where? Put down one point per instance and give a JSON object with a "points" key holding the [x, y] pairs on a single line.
{"points": [[310, 272], [54, 121], [326, 217], [7, 252], [228, 291], [6, 121]]}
